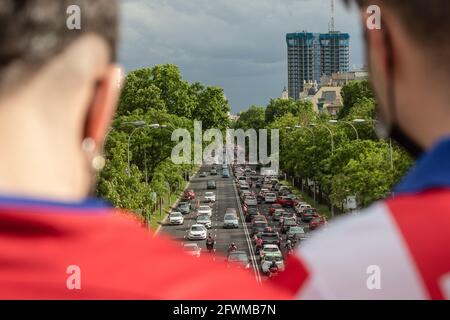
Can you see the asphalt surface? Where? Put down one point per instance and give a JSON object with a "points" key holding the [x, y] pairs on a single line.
{"points": [[226, 197]]}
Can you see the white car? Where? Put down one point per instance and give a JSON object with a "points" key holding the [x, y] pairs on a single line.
{"points": [[204, 210], [204, 220], [197, 232], [210, 197], [270, 197], [250, 201], [269, 249], [230, 220], [192, 249], [266, 262], [176, 218]]}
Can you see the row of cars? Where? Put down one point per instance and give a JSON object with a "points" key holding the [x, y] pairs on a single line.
{"points": [[269, 250], [284, 198]]}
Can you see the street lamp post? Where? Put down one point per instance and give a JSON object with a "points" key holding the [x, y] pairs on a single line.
{"points": [[349, 123], [331, 134], [309, 129], [138, 123], [332, 152]]}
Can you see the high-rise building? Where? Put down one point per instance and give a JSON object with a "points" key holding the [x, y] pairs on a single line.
{"points": [[334, 52], [303, 61], [312, 55]]}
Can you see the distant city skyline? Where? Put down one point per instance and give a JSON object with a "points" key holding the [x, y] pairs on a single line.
{"points": [[235, 44]]}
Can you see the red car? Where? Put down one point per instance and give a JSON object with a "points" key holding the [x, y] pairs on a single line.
{"points": [[287, 201], [317, 222], [190, 194], [273, 207]]}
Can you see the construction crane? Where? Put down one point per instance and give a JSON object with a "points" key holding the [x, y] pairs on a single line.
{"points": [[332, 17]]}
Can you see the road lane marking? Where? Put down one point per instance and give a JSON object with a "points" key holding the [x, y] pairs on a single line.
{"points": [[247, 236]]}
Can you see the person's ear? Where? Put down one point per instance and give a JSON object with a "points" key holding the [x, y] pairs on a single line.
{"points": [[103, 105], [379, 49]]}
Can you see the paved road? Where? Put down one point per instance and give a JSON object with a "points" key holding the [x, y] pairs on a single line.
{"points": [[226, 197]]}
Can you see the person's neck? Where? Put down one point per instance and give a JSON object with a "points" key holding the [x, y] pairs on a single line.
{"points": [[40, 155]]}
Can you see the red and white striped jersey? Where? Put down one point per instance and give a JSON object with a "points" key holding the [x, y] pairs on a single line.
{"points": [[396, 249]]}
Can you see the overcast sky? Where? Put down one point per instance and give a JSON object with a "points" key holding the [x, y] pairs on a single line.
{"points": [[235, 44]]}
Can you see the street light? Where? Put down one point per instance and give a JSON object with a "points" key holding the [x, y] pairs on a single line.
{"points": [[349, 123], [309, 129]]}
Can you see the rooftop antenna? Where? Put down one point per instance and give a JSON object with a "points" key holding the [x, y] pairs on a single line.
{"points": [[332, 17]]}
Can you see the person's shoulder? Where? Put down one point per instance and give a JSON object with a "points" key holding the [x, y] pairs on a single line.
{"points": [[340, 260]]}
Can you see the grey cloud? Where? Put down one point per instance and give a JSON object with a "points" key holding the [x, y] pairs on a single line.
{"points": [[238, 44]]}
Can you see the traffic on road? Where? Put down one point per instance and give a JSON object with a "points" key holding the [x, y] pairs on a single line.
{"points": [[233, 212]]}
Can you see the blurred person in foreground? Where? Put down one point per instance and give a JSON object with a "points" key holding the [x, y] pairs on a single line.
{"points": [[58, 92], [398, 248]]}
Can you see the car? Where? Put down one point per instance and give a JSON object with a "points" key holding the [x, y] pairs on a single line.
{"points": [[224, 166], [270, 197], [244, 194], [270, 237], [287, 215], [296, 233], [317, 222], [309, 214], [244, 186], [266, 262], [251, 212], [230, 220], [301, 206], [261, 195], [202, 174], [258, 227], [258, 184], [241, 178], [276, 216], [204, 210], [259, 218], [197, 232], [238, 259], [231, 210], [273, 207], [287, 223], [189, 194], [211, 185], [225, 173], [284, 189], [184, 207], [276, 187], [269, 249], [286, 201], [192, 249], [210, 197], [250, 201], [205, 220], [176, 218], [213, 172]]}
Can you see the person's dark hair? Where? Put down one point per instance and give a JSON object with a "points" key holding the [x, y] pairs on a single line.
{"points": [[426, 20], [32, 32]]}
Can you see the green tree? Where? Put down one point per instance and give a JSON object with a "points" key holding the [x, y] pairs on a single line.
{"points": [[253, 118], [280, 107], [351, 93], [212, 109]]}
